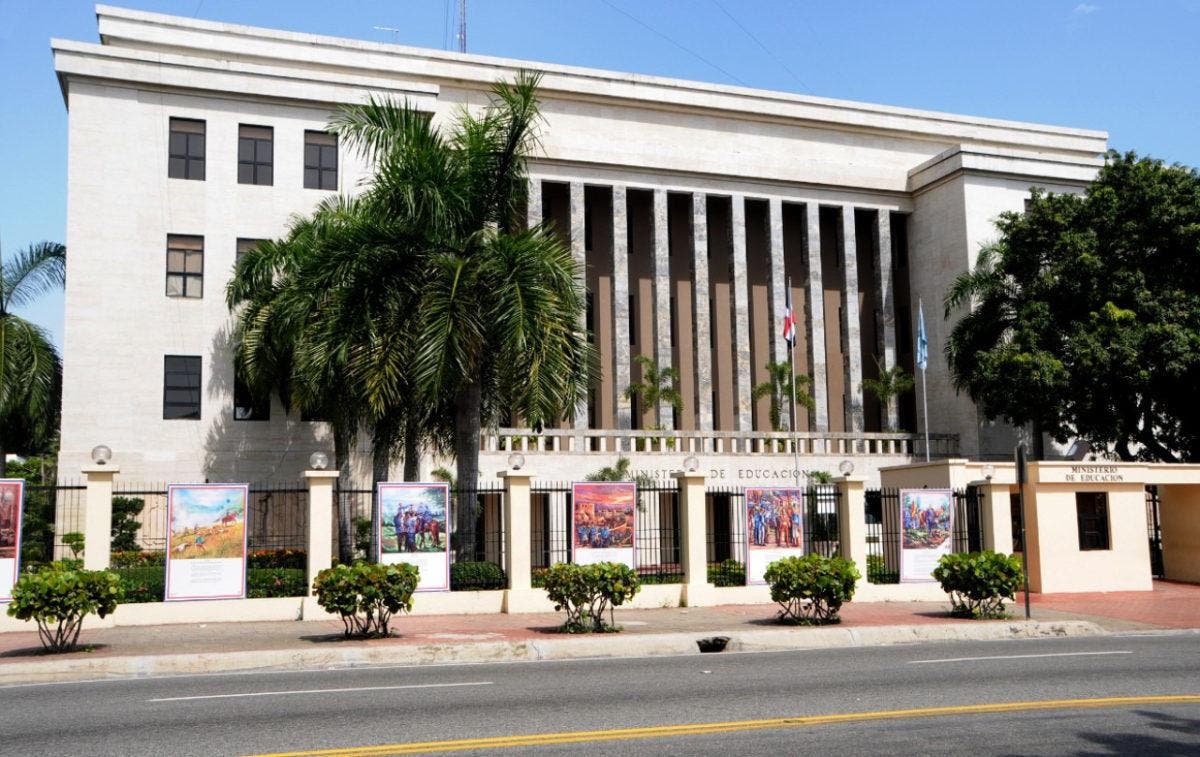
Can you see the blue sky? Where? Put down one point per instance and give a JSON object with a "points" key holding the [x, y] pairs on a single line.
{"points": [[1131, 68]]}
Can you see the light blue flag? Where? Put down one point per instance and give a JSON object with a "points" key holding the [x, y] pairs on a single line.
{"points": [[922, 340]]}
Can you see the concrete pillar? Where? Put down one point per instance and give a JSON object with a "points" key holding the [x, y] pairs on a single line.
{"points": [[97, 519], [816, 317], [852, 521], [520, 595], [533, 209], [851, 325], [579, 253], [741, 318], [320, 521], [995, 512], [779, 347], [703, 321], [885, 306], [662, 298], [622, 351], [693, 532]]}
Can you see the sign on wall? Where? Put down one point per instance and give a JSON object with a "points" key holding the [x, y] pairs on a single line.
{"points": [[926, 523], [206, 552], [413, 529], [12, 501], [602, 518], [774, 528]]}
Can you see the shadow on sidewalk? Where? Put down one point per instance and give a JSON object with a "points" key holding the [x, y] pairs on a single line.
{"points": [[43, 652]]}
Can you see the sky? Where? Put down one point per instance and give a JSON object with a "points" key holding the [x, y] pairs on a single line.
{"points": [[1131, 68]]}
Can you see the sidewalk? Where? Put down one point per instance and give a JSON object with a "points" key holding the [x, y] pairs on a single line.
{"points": [[199, 648]]}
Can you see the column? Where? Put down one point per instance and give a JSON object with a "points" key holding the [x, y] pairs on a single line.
{"points": [[621, 351], [851, 336], [97, 518], [533, 209], [885, 302], [662, 298], [779, 350], [815, 312], [703, 321], [996, 514], [520, 595], [320, 521], [852, 521], [579, 253], [693, 532], [741, 318]]}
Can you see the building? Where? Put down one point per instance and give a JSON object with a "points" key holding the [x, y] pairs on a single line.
{"points": [[694, 206]]}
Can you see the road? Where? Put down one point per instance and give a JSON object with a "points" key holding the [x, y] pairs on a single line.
{"points": [[914, 699]]}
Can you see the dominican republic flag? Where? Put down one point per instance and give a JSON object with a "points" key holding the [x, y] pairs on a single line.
{"points": [[922, 338], [789, 320]]}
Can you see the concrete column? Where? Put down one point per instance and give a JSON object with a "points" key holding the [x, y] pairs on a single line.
{"points": [[662, 298], [533, 209], [520, 596], [852, 521], [703, 320], [320, 521], [579, 253], [741, 318], [622, 350], [885, 304], [996, 514], [815, 312], [693, 532], [779, 347], [97, 517], [851, 328]]}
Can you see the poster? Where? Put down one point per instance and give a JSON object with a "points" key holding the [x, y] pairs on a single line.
{"points": [[12, 501], [413, 529], [206, 555], [774, 528], [926, 522], [602, 517]]}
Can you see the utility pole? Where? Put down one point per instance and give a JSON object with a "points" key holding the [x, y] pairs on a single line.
{"points": [[462, 26]]}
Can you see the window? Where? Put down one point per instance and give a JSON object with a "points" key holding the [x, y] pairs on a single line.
{"points": [[185, 266], [244, 246], [181, 387], [256, 155], [247, 407], [320, 160], [1091, 511], [185, 149]]}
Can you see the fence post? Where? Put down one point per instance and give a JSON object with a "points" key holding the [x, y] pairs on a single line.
{"points": [[852, 520], [97, 519], [320, 521], [693, 532], [996, 516], [520, 595]]}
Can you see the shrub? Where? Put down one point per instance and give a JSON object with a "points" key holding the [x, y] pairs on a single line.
{"points": [[979, 582], [879, 573], [74, 540], [586, 591], [125, 523], [142, 584], [135, 559], [476, 576], [366, 595], [275, 582], [811, 589], [727, 573], [58, 597], [295, 559]]}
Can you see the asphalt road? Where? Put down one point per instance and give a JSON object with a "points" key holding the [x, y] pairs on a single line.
{"points": [[344, 709]]}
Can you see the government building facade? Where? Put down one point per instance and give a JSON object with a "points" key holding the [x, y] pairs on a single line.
{"points": [[693, 207]]}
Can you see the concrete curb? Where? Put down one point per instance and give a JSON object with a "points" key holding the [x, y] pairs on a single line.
{"points": [[571, 648]]}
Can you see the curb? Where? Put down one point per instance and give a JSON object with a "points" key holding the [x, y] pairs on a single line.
{"points": [[606, 646]]}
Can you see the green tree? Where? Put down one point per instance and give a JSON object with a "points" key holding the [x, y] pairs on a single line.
{"points": [[891, 383], [778, 387], [658, 388], [1084, 317], [30, 369]]}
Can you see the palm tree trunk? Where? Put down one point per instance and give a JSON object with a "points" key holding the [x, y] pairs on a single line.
{"points": [[412, 453], [380, 463], [341, 450], [468, 417]]}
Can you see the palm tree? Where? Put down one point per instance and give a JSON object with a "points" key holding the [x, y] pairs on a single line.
{"points": [[891, 383], [30, 368], [658, 387], [778, 387]]}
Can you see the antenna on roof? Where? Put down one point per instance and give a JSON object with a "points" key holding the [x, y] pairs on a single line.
{"points": [[462, 26]]}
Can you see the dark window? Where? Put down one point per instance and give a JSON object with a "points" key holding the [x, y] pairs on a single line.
{"points": [[181, 387], [1091, 511], [247, 407], [320, 160], [633, 322], [587, 231], [185, 149], [185, 266], [672, 328], [256, 155]]}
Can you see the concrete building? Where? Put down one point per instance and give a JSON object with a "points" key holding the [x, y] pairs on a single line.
{"points": [[691, 204]]}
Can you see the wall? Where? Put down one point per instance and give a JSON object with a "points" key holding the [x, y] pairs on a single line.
{"points": [[1179, 518]]}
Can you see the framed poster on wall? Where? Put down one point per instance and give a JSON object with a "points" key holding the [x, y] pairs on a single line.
{"points": [[206, 548], [774, 528], [12, 506], [602, 522], [414, 529], [926, 523]]}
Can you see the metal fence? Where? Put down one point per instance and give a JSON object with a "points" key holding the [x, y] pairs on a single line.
{"points": [[1154, 529], [882, 515], [50, 512], [726, 521]]}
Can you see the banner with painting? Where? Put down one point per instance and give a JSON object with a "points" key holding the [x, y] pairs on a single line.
{"points": [[926, 522], [602, 522], [206, 555], [774, 528], [413, 530], [12, 501]]}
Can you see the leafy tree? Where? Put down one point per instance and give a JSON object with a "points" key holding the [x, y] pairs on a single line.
{"points": [[125, 523], [778, 387], [659, 387], [892, 382], [1085, 316], [30, 369]]}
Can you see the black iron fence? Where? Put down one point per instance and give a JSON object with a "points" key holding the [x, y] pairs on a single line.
{"points": [[51, 511], [1154, 529], [883, 522]]}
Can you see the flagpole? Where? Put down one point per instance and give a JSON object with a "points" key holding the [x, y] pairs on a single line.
{"points": [[792, 355], [924, 360]]}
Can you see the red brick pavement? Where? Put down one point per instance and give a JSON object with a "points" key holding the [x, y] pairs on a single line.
{"points": [[1169, 605]]}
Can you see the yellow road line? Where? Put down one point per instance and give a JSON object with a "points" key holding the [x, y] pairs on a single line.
{"points": [[733, 726]]}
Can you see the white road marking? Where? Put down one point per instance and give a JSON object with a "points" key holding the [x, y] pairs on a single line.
{"points": [[1019, 656], [320, 691]]}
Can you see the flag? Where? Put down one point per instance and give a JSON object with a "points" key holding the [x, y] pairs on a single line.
{"points": [[922, 339], [789, 320]]}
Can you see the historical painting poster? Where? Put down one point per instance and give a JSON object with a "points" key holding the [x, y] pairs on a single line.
{"points": [[602, 518], [774, 528], [12, 496], [926, 522], [413, 529], [206, 554]]}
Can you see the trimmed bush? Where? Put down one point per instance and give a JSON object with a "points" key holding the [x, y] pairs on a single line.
{"points": [[366, 595], [142, 584], [58, 598], [812, 588], [294, 559], [275, 582], [136, 559], [878, 571], [727, 573], [979, 582], [586, 591], [476, 576]]}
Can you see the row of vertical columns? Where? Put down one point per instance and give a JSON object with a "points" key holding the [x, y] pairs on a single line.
{"points": [[662, 298], [623, 352], [741, 318], [851, 335], [702, 322], [816, 310]]}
